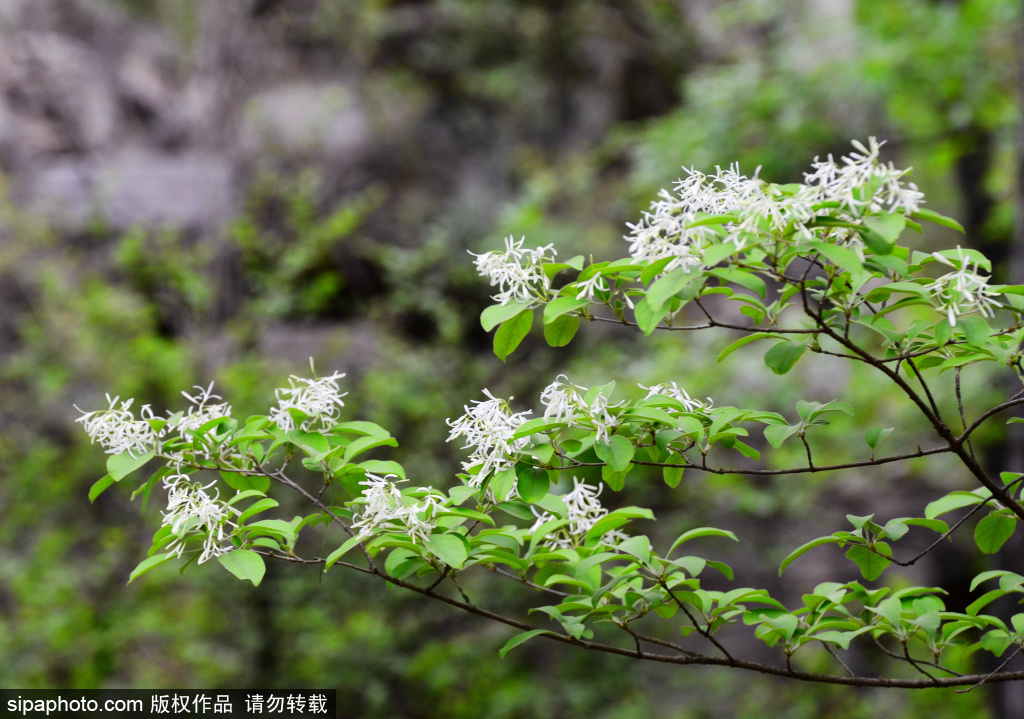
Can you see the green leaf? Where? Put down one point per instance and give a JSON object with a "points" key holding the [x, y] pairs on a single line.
{"points": [[874, 435], [554, 504], [383, 467], [743, 341], [936, 525], [976, 330], [666, 287], [648, 319], [342, 551], [533, 484], [100, 486], [150, 563], [364, 444], [246, 483], [782, 356], [888, 227], [804, 548], [988, 597], [714, 254], [273, 527], [248, 494], [511, 333], [120, 466], [943, 332], [889, 609], [461, 493], [449, 548], [840, 638], [615, 480], [244, 564], [650, 414], [502, 483], [701, 532], [927, 215], [260, 506], [673, 476], [743, 278], [617, 452], [496, 314], [561, 306], [953, 500], [614, 520], [776, 434], [842, 257], [312, 443], [993, 531], [370, 429], [639, 547], [560, 332], [871, 564], [519, 639], [402, 562]]}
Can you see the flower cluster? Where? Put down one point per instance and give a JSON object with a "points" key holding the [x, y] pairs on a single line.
{"points": [[674, 391], [859, 183], [566, 402], [562, 399], [203, 410], [386, 509], [318, 399], [191, 510], [962, 291], [518, 272], [488, 428], [584, 511], [118, 430], [667, 230]]}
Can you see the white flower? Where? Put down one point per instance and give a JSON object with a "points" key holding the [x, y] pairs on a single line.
{"points": [[584, 511], [587, 288], [318, 399], [562, 399], [118, 430], [601, 421], [963, 291], [667, 231], [676, 392], [191, 510], [385, 509], [565, 402], [860, 183], [517, 272], [488, 427], [202, 411]]}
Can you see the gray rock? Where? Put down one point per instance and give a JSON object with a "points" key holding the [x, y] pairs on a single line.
{"points": [[137, 187], [61, 192], [306, 118], [61, 81], [189, 191]]}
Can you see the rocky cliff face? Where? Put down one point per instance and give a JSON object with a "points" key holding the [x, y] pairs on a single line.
{"points": [[107, 113]]}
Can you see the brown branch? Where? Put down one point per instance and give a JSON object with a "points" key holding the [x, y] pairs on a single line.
{"points": [[766, 472], [688, 658]]}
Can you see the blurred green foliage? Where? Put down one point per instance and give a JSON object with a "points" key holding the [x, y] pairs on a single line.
{"points": [[382, 276]]}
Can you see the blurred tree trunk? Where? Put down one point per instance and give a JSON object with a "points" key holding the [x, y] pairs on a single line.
{"points": [[1009, 697]]}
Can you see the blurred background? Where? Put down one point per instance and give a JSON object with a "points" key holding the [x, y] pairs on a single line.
{"points": [[194, 190]]}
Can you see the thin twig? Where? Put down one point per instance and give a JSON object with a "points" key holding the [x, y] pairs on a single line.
{"points": [[989, 676], [960, 409], [764, 472], [831, 651]]}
